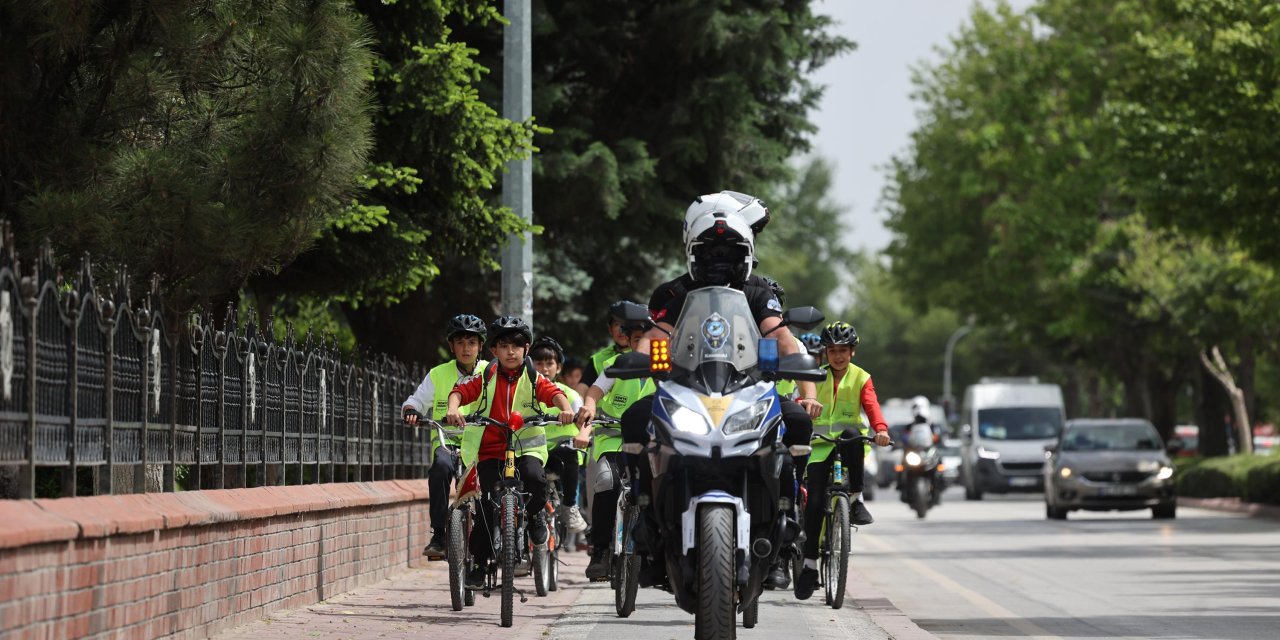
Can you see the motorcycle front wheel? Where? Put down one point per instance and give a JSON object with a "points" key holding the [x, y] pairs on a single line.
{"points": [[716, 615], [922, 496]]}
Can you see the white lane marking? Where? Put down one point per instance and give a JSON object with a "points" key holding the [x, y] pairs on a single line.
{"points": [[978, 600]]}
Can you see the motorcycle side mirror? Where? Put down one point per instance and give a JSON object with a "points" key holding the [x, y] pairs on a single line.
{"points": [[631, 366], [798, 366], [803, 317]]}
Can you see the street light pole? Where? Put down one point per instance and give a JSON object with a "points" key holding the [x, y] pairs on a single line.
{"points": [[946, 366], [517, 186]]}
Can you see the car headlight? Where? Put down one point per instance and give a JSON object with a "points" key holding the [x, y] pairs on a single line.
{"points": [[990, 455], [912, 459], [748, 419], [1165, 473], [1065, 472], [685, 419]]}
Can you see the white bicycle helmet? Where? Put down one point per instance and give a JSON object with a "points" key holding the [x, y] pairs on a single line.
{"points": [[720, 249], [751, 209]]}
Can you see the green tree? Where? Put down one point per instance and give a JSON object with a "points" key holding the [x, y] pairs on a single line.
{"points": [[203, 141], [649, 104], [1203, 82]]}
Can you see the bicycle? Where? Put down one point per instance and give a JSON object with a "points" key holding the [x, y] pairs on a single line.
{"points": [[458, 528], [836, 533], [510, 500], [555, 525], [623, 562]]}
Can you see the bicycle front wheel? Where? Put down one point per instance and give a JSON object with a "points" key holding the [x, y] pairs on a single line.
{"points": [[837, 535], [510, 503], [457, 558]]}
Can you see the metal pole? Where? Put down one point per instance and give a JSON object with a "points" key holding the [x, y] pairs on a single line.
{"points": [[517, 187], [946, 366]]}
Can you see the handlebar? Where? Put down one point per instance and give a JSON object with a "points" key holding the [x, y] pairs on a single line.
{"points": [[849, 439]]}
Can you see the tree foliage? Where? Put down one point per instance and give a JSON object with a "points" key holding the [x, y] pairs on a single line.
{"points": [[203, 141]]}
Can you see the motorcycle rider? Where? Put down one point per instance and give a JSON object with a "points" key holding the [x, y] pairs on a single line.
{"points": [[846, 393], [548, 357], [507, 386], [719, 238], [613, 398], [464, 334], [920, 437]]}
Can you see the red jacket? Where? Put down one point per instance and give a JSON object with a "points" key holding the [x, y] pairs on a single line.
{"points": [[494, 444], [871, 406]]}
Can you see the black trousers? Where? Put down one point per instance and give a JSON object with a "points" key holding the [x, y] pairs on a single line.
{"points": [[604, 504], [564, 461], [819, 478], [530, 472], [439, 480]]}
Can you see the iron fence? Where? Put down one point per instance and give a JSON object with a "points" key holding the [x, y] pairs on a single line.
{"points": [[97, 387]]}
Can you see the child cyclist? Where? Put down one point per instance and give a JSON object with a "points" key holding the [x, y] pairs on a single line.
{"points": [[620, 344], [613, 397], [548, 357], [844, 395], [509, 385], [464, 334]]}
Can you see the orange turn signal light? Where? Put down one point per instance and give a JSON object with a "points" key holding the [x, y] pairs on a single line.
{"points": [[898, 468], [942, 467], [660, 355]]}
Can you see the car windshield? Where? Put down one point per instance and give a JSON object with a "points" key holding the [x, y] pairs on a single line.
{"points": [[1135, 436], [714, 347], [1020, 423]]}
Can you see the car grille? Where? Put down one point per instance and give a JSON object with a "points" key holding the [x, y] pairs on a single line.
{"points": [[1022, 466], [1123, 477]]}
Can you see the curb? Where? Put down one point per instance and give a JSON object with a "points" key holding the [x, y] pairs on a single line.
{"points": [[882, 611], [1231, 505]]}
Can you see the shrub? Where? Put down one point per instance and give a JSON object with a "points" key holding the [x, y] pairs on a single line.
{"points": [[1249, 477]]}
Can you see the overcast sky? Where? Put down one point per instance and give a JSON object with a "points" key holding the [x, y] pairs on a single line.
{"points": [[866, 114]]}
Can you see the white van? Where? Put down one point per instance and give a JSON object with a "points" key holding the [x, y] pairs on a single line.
{"points": [[1006, 423]]}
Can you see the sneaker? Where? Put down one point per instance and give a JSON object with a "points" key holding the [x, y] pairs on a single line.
{"points": [[538, 530], [476, 578], [779, 576], [598, 569], [806, 583], [435, 550], [859, 515], [573, 522]]}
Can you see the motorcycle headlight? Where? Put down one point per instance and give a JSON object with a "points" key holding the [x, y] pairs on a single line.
{"points": [[912, 459], [748, 419], [685, 419]]}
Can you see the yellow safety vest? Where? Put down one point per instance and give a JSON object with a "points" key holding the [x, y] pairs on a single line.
{"points": [[529, 440], [841, 410]]}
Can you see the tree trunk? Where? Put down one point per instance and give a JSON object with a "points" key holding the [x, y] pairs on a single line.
{"points": [[1245, 347], [1211, 408], [1164, 404], [1136, 403], [1217, 366]]}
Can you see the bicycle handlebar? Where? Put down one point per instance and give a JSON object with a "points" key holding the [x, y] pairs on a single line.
{"points": [[848, 439]]}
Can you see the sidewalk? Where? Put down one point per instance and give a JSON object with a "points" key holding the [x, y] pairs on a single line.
{"points": [[415, 604], [1231, 505]]}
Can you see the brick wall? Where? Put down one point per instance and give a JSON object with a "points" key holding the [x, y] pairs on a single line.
{"points": [[191, 564]]}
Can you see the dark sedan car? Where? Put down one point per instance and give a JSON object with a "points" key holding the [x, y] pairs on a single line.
{"points": [[1108, 465]]}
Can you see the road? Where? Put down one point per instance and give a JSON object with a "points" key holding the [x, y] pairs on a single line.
{"points": [[998, 569]]}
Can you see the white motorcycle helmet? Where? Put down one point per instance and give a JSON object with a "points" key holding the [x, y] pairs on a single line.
{"points": [[921, 434], [920, 407], [720, 249], [752, 210]]}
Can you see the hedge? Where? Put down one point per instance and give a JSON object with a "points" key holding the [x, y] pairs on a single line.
{"points": [[1248, 477]]}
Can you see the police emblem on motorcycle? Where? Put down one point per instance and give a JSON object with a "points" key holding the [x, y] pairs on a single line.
{"points": [[715, 331]]}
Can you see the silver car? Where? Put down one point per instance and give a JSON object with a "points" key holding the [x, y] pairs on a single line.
{"points": [[1108, 465]]}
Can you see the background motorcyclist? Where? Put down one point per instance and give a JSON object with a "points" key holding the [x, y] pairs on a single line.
{"points": [[921, 437], [465, 334]]}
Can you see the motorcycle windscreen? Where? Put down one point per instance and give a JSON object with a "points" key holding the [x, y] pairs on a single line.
{"points": [[716, 334]]}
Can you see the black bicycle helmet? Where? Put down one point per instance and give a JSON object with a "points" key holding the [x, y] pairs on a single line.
{"points": [[506, 326], [549, 343], [839, 333], [634, 309], [464, 323], [812, 343], [778, 291]]}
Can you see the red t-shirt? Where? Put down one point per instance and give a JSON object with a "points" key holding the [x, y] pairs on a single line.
{"points": [[872, 407], [494, 444]]}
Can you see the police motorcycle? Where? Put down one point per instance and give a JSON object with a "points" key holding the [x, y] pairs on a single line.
{"points": [[920, 474], [716, 452]]}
